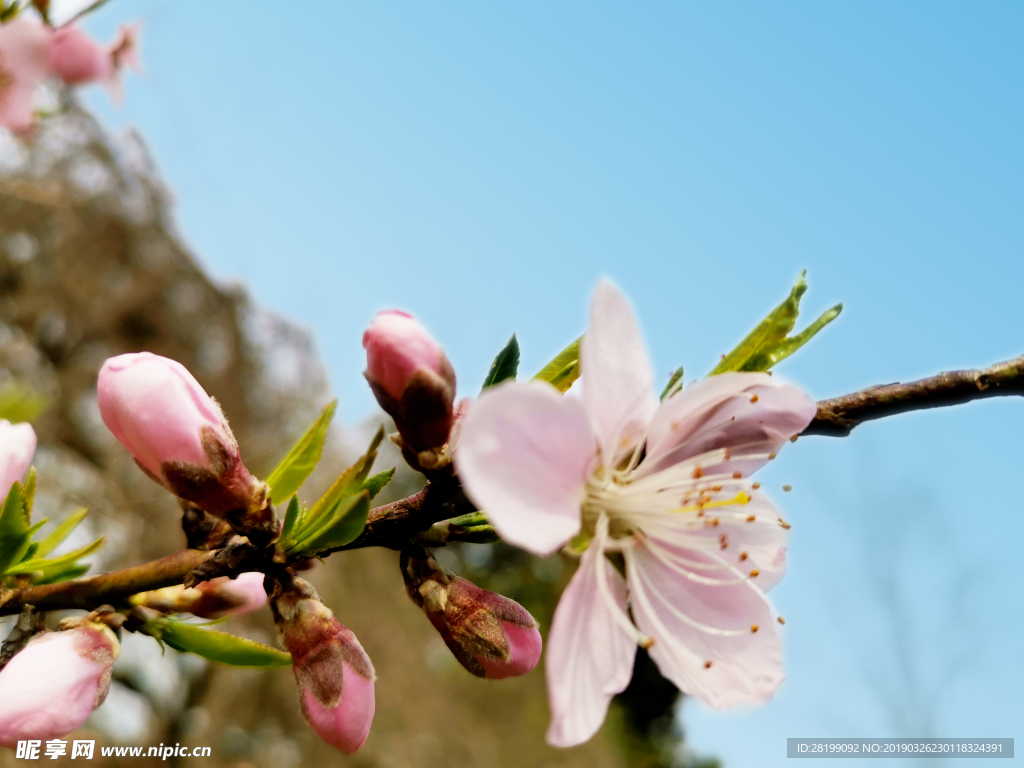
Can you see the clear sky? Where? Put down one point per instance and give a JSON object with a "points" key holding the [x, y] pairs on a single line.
{"points": [[482, 164]]}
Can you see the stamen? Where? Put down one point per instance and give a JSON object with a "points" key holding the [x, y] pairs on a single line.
{"points": [[743, 556], [707, 665], [754, 399], [781, 620], [754, 628], [751, 518], [787, 488], [755, 486], [755, 573]]}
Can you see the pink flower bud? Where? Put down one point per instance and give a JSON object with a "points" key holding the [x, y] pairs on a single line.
{"points": [[76, 59], [55, 682], [17, 446], [490, 635], [178, 435], [333, 672], [411, 378], [24, 62], [224, 596]]}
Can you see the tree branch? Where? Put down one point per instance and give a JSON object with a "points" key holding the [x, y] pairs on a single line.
{"points": [[394, 524], [838, 416]]}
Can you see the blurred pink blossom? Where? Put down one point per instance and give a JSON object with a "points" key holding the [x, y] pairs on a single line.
{"points": [[55, 682], [24, 62], [17, 446]]}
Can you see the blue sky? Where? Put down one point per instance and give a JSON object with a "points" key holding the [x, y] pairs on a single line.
{"points": [[482, 165]]}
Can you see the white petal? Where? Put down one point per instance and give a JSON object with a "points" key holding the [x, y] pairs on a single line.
{"points": [[524, 457], [749, 413], [746, 665], [617, 385], [589, 655]]}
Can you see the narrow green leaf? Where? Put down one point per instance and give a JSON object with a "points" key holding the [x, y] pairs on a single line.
{"points": [[345, 524], [374, 484], [296, 467], [67, 573], [29, 496], [564, 369], [671, 388], [778, 352], [14, 529], [350, 483], [216, 646], [61, 532], [773, 329], [291, 517], [48, 564], [505, 365]]}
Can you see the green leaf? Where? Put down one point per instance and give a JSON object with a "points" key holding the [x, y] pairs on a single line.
{"points": [[67, 573], [291, 473], [671, 388], [291, 518], [505, 365], [216, 646], [61, 532], [48, 565], [340, 506], [374, 484], [15, 535], [29, 496], [564, 369], [346, 522], [768, 342]]}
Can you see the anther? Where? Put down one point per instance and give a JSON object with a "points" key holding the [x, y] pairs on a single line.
{"points": [[784, 524], [698, 472], [751, 518], [737, 475], [716, 488], [723, 541], [754, 627], [754, 573], [787, 488], [755, 486], [707, 665], [772, 455], [647, 643], [793, 438], [743, 556], [754, 399], [781, 620]]}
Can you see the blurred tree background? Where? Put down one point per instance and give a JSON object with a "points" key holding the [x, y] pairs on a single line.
{"points": [[91, 265]]}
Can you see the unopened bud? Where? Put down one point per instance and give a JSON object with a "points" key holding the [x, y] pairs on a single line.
{"points": [[491, 635], [17, 446], [76, 59], [333, 672], [212, 599], [52, 685], [411, 379], [179, 436]]}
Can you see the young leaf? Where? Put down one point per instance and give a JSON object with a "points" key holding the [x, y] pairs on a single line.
{"points": [[349, 484], [768, 342], [505, 365], [49, 565], [671, 388], [302, 459], [15, 537], [564, 369], [291, 518], [216, 646], [61, 532], [67, 573], [374, 484], [346, 522]]}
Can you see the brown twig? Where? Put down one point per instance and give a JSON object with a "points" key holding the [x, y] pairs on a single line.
{"points": [[394, 524], [838, 416]]}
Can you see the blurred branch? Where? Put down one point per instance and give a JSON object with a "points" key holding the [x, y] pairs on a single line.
{"points": [[838, 416]]}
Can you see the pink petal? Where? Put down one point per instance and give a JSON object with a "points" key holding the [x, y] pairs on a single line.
{"points": [[523, 457], [17, 447], [749, 413], [48, 689], [346, 725], [618, 389], [24, 54], [745, 666], [590, 656]]}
